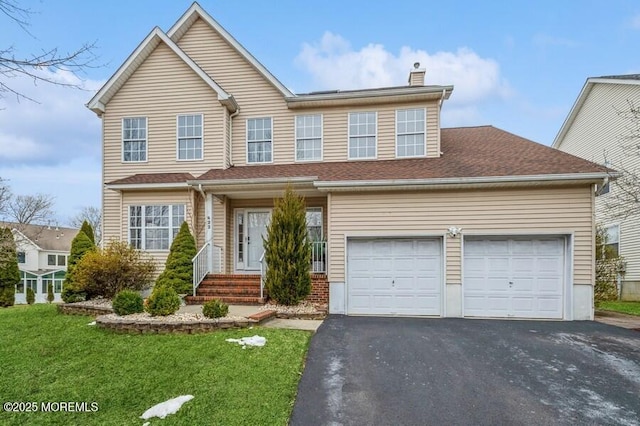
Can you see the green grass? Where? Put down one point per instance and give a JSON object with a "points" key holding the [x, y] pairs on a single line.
{"points": [[47, 357], [632, 308]]}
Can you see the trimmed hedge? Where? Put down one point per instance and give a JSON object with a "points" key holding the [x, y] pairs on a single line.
{"points": [[163, 301], [215, 309], [127, 302]]}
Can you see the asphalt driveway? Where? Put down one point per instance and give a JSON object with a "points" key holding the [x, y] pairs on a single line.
{"points": [[410, 371]]}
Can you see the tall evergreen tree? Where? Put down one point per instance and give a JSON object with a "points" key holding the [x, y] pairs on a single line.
{"points": [[288, 251], [9, 271], [80, 245], [88, 230], [178, 271]]}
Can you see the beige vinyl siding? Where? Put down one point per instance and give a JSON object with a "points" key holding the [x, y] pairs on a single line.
{"points": [[491, 212], [162, 87], [598, 128], [258, 98], [155, 198]]}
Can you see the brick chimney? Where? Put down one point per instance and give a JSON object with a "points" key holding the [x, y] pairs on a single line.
{"points": [[416, 75]]}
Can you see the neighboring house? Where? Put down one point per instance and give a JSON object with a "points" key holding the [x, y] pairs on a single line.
{"points": [[418, 220], [597, 130], [43, 252]]}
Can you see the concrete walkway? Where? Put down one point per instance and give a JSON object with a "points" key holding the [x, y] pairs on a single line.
{"points": [[631, 322], [248, 310]]}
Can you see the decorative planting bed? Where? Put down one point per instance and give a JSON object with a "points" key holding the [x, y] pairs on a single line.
{"points": [[189, 323], [178, 323]]}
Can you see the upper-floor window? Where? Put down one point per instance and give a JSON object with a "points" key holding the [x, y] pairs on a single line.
{"points": [[308, 137], [22, 257], [154, 227], [362, 135], [410, 132], [56, 260], [134, 139], [190, 137], [259, 140]]}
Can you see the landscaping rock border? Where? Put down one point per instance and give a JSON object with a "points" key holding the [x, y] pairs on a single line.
{"points": [[141, 326], [80, 309]]}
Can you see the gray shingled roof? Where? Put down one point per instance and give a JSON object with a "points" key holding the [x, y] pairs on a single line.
{"points": [[623, 77], [55, 238]]}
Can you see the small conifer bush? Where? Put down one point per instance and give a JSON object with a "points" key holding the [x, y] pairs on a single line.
{"points": [[215, 309], [163, 301], [50, 296], [31, 296], [178, 272], [127, 302]]}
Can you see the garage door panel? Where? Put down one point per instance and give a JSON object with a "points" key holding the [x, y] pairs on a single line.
{"points": [[525, 281], [404, 276]]}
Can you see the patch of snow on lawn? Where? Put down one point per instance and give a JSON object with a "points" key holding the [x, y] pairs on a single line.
{"points": [[249, 341], [163, 409], [92, 323]]}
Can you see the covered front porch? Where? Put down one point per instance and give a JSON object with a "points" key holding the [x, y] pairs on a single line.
{"points": [[230, 223]]}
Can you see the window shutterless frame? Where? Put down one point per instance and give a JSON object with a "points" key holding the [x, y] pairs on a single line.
{"points": [[186, 137], [257, 132], [129, 138], [411, 128], [362, 132], [310, 134], [172, 227]]}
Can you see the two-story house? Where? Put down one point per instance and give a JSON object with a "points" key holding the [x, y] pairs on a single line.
{"points": [[410, 219], [43, 252], [600, 128]]}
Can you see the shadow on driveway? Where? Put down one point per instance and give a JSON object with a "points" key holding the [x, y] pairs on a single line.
{"points": [[411, 371]]}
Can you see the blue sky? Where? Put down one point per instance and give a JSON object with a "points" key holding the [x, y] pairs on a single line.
{"points": [[515, 65]]}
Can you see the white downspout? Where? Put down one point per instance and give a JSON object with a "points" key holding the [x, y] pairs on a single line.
{"points": [[231, 135]]}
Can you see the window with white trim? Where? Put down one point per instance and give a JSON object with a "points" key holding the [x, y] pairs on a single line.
{"points": [[259, 140], [154, 227], [612, 241], [190, 137], [134, 139], [22, 257], [308, 137], [314, 223], [362, 135], [410, 132]]}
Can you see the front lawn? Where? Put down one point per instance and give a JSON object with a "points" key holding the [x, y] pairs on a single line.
{"points": [[48, 357], [632, 308]]}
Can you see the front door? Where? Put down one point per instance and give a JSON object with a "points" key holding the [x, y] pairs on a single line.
{"points": [[256, 227]]}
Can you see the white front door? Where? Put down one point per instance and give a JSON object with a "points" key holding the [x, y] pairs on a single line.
{"points": [[256, 227], [519, 277]]}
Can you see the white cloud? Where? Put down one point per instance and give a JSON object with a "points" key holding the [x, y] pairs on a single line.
{"points": [[334, 64], [56, 129], [52, 146]]}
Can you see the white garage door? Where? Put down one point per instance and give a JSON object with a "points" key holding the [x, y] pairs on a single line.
{"points": [[514, 277], [394, 276]]}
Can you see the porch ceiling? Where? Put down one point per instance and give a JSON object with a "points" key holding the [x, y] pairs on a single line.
{"points": [[256, 188]]}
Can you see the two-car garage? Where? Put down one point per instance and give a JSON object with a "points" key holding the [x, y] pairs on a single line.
{"points": [[503, 277]]}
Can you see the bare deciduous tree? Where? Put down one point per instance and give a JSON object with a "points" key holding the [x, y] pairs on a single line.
{"points": [[91, 214], [49, 58], [30, 209], [5, 196], [624, 200]]}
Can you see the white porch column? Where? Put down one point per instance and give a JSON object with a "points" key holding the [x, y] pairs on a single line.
{"points": [[208, 230]]}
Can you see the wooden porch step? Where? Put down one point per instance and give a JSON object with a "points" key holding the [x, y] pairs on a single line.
{"points": [[230, 300]]}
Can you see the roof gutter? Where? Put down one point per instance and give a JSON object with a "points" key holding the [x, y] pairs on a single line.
{"points": [[133, 186], [328, 185], [258, 181]]}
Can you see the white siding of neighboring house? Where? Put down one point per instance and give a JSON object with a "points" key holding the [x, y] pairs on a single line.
{"points": [[596, 130]]}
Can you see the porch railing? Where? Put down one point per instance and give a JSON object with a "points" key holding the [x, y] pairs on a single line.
{"points": [[318, 257], [263, 271], [202, 265]]}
